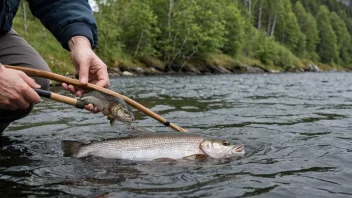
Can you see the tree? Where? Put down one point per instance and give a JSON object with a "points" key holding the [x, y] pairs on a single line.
{"points": [[312, 6], [308, 26], [189, 28], [110, 30], [288, 31], [343, 38], [327, 47], [140, 29], [234, 29]]}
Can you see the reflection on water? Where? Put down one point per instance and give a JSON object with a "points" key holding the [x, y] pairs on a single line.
{"points": [[296, 128]]}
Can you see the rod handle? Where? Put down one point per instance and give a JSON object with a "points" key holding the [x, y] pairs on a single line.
{"points": [[60, 98]]}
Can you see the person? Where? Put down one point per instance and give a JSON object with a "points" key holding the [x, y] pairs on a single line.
{"points": [[73, 25]]}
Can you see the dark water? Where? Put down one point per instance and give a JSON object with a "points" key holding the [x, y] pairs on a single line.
{"points": [[296, 128]]}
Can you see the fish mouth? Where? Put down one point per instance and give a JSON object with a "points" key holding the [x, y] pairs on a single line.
{"points": [[130, 120], [126, 120], [239, 149]]}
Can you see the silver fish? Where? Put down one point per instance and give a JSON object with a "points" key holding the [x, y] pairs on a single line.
{"points": [[153, 147], [114, 107]]}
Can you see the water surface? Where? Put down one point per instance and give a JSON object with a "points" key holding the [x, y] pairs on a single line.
{"points": [[296, 128]]}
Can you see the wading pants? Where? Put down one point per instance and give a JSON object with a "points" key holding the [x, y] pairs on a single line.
{"points": [[14, 50]]}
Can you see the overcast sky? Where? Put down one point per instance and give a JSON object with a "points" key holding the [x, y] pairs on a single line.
{"points": [[93, 5]]}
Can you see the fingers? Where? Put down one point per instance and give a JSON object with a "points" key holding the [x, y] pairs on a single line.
{"points": [[21, 103], [69, 88], [23, 100], [65, 86], [103, 83], [79, 92], [90, 107], [29, 80], [74, 90], [103, 77], [30, 95], [84, 72], [16, 90]]}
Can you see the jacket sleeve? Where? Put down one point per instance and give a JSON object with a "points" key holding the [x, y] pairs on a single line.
{"points": [[66, 18]]}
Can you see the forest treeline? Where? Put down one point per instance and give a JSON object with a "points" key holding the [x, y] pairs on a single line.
{"points": [[186, 35]]}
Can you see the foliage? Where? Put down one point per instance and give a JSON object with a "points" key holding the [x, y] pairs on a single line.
{"points": [[234, 30], [308, 26], [269, 33], [270, 52], [109, 18], [343, 39], [327, 47], [139, 29]]}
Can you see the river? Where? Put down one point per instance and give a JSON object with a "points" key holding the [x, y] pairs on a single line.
{"points": [[296, 129]]}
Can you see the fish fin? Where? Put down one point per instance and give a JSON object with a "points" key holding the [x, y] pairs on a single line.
{"points": [[70, 148], [195, 157], [164, 159], [113, 122]]}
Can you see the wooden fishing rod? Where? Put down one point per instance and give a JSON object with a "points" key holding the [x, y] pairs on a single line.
{"points": [[61, 98], [63, 79]]}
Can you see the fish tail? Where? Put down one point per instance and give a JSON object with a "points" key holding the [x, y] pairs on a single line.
{"points": [[71, 148]]}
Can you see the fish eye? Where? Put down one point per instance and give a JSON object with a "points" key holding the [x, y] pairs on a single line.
{"points": [[225, 143], [125, 111]]}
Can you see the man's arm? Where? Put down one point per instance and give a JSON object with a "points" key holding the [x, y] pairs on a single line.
{"points": [[73, 24], [66, 18]]}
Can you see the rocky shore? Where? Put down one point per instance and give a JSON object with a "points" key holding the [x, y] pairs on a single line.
{"points": [[189, 69]]}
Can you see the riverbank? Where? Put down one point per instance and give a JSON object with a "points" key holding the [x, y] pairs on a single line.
{"points": [[217, 64], [255, 53], [222, 64]]}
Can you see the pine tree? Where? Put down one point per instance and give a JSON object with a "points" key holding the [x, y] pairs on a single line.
{"points": [[288, 31], [308, 26], [327, 47], [343, 39]]}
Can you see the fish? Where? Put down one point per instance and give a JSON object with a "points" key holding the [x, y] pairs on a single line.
{"points": [[115, 108], [154, 147]]}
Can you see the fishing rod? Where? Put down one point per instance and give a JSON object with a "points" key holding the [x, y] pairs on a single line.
{"points": [[61, 98], [63, 79]]}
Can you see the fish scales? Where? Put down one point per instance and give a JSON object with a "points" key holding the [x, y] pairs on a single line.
{"points": [[116, 109], [145, 147], [155, 146]]}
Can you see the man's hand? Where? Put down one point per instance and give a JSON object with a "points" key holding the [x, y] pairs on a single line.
{"points": [[16, 89], [88, 65]]}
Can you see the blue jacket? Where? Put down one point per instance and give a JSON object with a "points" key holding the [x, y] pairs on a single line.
{"points": [[63, 18]]}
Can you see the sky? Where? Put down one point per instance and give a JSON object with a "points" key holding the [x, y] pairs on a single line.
{"points": [[93, 5]]}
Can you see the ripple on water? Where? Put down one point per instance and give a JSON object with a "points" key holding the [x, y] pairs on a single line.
{"points": [[295, 127]]}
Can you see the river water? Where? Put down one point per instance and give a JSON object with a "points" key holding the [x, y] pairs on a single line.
{"points": [[296, 129]]}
